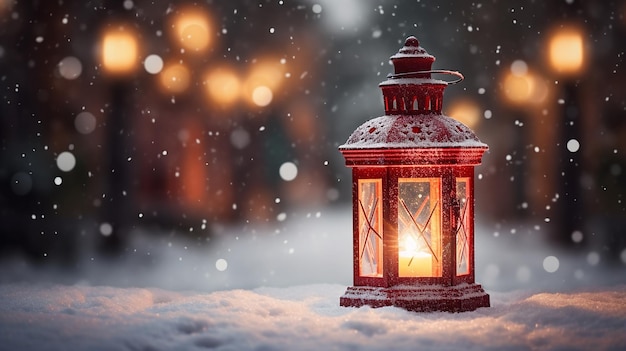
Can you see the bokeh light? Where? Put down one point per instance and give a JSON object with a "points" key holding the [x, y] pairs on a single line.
{"points": [[175, 78], [265, 78], [288, 171], [192, 29], [221, 264], [120, 50], [573, 145], [551, 264], [262, 96], [66, 161], [70, 68], [566, 50], [222, 86], [465, 111], [85, 122], [153, 64], [522, 87]]}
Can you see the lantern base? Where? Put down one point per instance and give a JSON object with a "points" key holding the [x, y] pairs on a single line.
{"points": [[423, 298]]}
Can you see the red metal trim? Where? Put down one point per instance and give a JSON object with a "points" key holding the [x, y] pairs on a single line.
{"points": [[461, 298], [413, 157]]}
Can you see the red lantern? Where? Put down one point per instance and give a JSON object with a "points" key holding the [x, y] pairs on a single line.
{"points": [[413, 196]]}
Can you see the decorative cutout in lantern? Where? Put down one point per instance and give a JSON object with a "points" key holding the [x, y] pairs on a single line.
{"points": [[413, 196]]}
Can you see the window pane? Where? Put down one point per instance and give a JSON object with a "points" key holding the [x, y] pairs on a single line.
{"points": [[370, 227], [463, 226], [419, 227]]}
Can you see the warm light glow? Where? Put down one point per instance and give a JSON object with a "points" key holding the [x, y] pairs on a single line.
{"points": [[518, 88], [6, 5], [465, 111], [566, 51], [419, 227], [523, 89], [410, 244], [262, 96], [413, 261], [119, 51], [192, 29], [264, 79], [175, 78], [223, 86]]}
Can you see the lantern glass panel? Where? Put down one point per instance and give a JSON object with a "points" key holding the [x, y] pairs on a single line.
{"points": [[463, 226], [419, 227], [370, 228]]}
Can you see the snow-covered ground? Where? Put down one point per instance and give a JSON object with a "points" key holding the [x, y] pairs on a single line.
{"points": [[303, 317], [277, 287]]}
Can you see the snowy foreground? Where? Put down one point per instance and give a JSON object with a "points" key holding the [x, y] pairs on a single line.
{"points": [[278, 288], [298, 318]]}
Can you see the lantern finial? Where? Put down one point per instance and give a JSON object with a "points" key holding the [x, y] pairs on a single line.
{"points": [[412, 58], [412, 41]]}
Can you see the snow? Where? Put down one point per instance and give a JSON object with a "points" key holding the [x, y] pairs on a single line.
{"points": [[412, 81], [277, 287], [409, 131], [297, 318]]}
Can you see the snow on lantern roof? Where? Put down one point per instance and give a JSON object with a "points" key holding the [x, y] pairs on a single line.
{"points": [[413, 131], [412, 81]]}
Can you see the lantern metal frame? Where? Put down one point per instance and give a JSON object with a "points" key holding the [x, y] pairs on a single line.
{"points": [[414, 143]]}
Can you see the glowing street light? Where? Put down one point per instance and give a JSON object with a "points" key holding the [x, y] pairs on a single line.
{"points": [[524, 88], [222, 86], [119, 50], [566, 58], [192, 29], [566, 52], [263, 81], [119, 56]]}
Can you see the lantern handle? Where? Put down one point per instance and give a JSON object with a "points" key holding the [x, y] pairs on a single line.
{"points": [[438, 71]]}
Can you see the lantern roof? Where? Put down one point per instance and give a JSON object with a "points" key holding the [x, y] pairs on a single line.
{"points": [[412, 131], [413, 103]]}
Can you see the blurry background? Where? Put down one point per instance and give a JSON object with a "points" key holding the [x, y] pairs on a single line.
{"points": [[180, 117]]}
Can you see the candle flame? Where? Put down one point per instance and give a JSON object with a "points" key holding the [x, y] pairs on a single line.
{"points": [[410, 244]]}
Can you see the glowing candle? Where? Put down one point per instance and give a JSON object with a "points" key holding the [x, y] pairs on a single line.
{"points": [[412, 262], [415, 264]]}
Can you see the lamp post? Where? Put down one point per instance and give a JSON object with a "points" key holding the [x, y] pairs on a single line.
{"points": [[119, 57], [566, 58], [525, 93], [413, 197]]}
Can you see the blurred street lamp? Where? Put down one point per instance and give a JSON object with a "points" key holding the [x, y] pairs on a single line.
{"points": [[263, 81], [566, 58], [192, 29], [413, 197], [465, 111], [119, 51], [566, 52], [526, 92], [522, 87], [119, 55], [222, 86]]}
